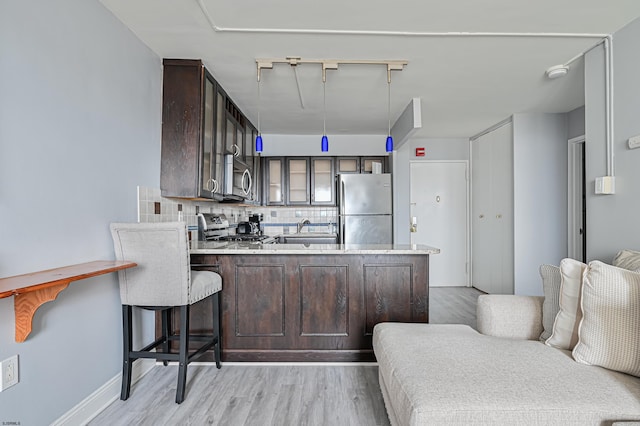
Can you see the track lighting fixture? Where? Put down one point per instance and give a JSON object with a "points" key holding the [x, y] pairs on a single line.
{"points": [[294, 61]]}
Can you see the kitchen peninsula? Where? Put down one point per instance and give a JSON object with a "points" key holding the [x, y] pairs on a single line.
{"points": [[317, 302]]}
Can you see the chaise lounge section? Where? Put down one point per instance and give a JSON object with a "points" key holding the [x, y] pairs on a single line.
{"points": [[436, 374]]}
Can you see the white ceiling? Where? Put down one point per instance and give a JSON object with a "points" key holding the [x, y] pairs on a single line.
{"points": [[467, 82]]}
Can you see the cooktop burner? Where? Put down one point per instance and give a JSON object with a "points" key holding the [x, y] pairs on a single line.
{"points": [[215, 227]]}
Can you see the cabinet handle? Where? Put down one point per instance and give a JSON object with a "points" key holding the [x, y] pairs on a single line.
{"points": [[215, 186], [246, 174], [481, 216], [498, 216], [236, 150]]}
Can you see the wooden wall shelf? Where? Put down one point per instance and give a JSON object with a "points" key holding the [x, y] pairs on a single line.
{"points": [[32, 290]]}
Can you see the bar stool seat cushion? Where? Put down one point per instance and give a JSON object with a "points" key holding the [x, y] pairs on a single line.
{"points": [[203, 284]]}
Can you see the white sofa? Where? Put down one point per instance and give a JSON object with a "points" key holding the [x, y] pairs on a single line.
{"points": [[433, 374]]}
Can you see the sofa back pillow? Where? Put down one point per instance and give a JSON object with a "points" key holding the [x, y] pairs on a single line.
{"points": [[551, 281], [609, 334], [627, 259], [565, 326]]}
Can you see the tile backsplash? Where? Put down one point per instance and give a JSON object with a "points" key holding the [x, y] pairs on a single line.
{"points": [[153, 207], [284, 220]]}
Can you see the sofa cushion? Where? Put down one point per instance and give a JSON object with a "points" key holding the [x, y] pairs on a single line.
{"points": [[450, 374], [551, 281], [610, 328], [627, 259], [509, 316], [565, 326]]}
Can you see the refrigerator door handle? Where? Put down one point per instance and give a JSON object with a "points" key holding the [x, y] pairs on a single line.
{"points": [[341, 201], [341, 233]]}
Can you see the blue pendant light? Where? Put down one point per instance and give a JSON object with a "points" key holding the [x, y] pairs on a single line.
{"points": [[324, 144], [389, 146], [259, 137]]}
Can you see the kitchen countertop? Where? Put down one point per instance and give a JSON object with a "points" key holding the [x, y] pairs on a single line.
{"points": [[215, 247], [310, 235]]}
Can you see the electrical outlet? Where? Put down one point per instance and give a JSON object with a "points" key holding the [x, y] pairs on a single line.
{"points": [[9, 370]]}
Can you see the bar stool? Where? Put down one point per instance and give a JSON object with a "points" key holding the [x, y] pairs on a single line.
{"points": [[162, 281]]}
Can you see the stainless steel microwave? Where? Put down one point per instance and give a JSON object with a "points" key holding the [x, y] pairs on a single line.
{"points": [[237, 179]]}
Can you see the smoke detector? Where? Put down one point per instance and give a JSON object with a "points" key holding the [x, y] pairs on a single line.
{"points": [[557, 71]]}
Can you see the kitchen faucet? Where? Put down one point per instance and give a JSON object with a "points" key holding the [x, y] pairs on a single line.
{"points": [[302, 224]]}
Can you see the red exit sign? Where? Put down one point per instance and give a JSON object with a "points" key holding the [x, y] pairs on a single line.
{"points": [[419, 152]]}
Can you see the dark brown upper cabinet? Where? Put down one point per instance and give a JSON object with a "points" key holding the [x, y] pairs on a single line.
{"points": [[200, 124], [191, 164]]}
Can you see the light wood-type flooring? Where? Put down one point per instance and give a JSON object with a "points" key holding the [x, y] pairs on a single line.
{"points": [[274, 394]]}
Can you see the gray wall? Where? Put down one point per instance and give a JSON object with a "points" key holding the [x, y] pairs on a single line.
{"points": [[80, 117], [575, 123], [612, 220], [435, 149], [540, 196]]}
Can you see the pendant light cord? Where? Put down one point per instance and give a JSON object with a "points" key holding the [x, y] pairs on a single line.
{"points": [[389, 103], [259, 102], [324, 106]]}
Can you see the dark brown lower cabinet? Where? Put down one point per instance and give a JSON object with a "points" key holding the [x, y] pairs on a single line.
{"points": [[311, 307]]}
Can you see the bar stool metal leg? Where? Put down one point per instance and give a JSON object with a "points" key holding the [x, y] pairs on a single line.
{"points": [[167, 329], [183, 353], [215, 300], [126, 352]]}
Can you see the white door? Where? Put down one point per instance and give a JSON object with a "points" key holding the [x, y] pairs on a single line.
{"points": [[492, 211], [439, 205]]}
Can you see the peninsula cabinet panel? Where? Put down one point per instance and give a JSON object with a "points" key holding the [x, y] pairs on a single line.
{"points": [[311, 307], [388, 294], [324, 301], [261, 291]]}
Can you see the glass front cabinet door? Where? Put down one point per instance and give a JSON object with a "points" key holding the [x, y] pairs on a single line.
{"points": [[274, 181], [322, 181], [348, 165], [298, 180]]}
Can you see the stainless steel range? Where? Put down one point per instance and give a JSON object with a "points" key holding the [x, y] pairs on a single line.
{"points": [[216, 227]]}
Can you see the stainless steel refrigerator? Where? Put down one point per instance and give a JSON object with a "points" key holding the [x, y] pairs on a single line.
{"points": [[365, 209]]}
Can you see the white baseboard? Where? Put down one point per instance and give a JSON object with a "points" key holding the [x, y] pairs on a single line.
{"points": [[295, 364], [95, 403]]}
